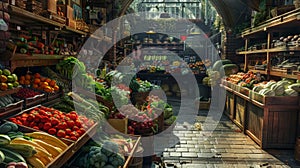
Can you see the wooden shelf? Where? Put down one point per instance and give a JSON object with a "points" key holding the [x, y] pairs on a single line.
{"points": [[23, 60], [259, 71], [291, 17], [272, 50], [272, 73], [24, 17]]}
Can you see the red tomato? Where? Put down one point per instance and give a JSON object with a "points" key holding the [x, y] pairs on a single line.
{"points": [[82, 130], [47, 126], [23, 119], [45, 119], [18, 117], [32, 124], [73, 112], [52, 131], [68, 131], [62, 126], [54, 121], [67, 137], [26, 123], [42, 112], [61, 133], [36, 127], [74, 133], [24, 115], [30, 117], [73, 138], [12, 119], [75, 128], [19, 122], [90, 123], [73, 117], [37, 118], [41, 126], [78, 123], [70, 123]]}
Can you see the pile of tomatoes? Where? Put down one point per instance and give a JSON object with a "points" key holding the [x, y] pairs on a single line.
{"points": [[64, 125]]}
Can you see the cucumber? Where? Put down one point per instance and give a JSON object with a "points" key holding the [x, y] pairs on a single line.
{"points": [[2, 157], [12, 156], [4, 140]]}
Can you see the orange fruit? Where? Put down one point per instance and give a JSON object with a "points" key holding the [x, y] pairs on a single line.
{"points": [[35, 86], [36, 81], [27, 77], [43, 79], [22, 78], [22, 82], [56, 88], [37, 75], [27, 82], [52, 83], [48, 80]]}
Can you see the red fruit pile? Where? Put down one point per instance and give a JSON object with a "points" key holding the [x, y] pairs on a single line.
{"points": [[26, 93], [64, 125], [141, 122]]}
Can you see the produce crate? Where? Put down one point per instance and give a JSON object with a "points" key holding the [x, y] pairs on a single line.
{"points": [[73, 146], [33, 101], [203, 105], [117, 124], [11, 109], [243, 90]]}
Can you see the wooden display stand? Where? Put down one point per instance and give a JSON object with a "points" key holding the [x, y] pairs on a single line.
{"points": [[272, 123]]}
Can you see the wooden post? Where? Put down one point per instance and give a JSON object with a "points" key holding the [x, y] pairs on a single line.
{"points": [[268, 55], [246, 57]]}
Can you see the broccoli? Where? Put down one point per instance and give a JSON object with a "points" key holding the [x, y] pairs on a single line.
{"points": [[109, 148]]}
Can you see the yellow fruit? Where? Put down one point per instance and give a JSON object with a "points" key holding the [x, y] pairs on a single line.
{"points": [[37, 147], [54, 151], [35, 162], [46, 160], [52, 140], [3, 86]]}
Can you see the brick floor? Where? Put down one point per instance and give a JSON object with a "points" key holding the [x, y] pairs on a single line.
{"points": [[226, 147]]}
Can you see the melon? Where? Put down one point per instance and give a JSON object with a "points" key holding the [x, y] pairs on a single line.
{"points": [[218, 64]]}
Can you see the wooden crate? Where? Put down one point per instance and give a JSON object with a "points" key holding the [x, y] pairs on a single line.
{"points": [[73, 146], [229, 105], [240, 112], [267, 122], [11, 109], [118, 124]]}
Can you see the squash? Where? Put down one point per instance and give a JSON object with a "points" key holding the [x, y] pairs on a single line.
{"points": [[295, 86], [267, 92], [290, 92]]}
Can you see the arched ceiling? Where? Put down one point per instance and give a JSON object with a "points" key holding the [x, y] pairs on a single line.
{"points": [[231, 11]]}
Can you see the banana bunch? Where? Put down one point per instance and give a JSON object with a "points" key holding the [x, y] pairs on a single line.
{"points": [[40, 151]]}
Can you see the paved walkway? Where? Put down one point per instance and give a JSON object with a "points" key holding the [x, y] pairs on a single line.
{"points": [[226, 147]]}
